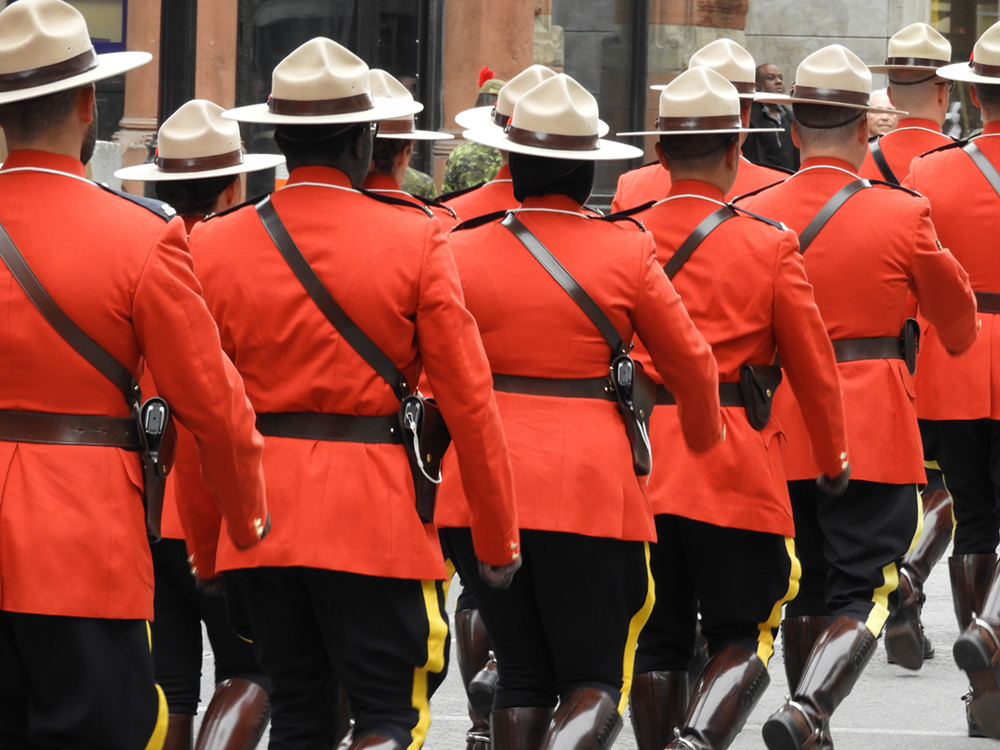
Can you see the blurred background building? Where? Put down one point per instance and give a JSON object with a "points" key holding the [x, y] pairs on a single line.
{"points": [[225, 50]]}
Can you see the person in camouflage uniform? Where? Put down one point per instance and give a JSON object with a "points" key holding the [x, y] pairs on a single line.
{"points": [[419, 183], [470, 164]]}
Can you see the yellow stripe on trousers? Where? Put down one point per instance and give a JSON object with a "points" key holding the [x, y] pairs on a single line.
{"points": [[438, 634], [890, 575], [765, 641], [159, 735], [637, 623]]}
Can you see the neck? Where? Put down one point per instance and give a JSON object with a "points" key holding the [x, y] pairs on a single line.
{"points": [[64, 144]]}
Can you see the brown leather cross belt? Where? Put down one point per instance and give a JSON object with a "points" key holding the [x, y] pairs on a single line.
{"points": [[340, 428], [730, 394], [599, 388], [988, 302], [852, 350], [68, 429]]}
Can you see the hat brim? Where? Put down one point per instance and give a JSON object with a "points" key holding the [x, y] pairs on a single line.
{"points": [[108, 66], [962, 73], [881, 70], [384, 109], [703, 132], [418, 135], [606, 150], [480, 118], [789, 101], [152, 173], [661, 86]]}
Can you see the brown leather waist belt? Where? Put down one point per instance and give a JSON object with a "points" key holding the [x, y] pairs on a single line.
{"points": [[339, 428], [852, 350], [988, 302], [730, 394], [68, 429], [599, 388]]}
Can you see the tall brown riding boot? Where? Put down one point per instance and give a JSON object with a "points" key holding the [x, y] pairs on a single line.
{"points": [[519, 728], [180, 728], [835, 664], [699, 659], [372, 741], [472, 647], [905, 642], [658, 704], [798, 634], [970, 581], [726, 694], [975, 651], [586, 719], [345, 724], [236, 717]]}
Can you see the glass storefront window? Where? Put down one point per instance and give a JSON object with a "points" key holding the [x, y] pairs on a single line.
{"points": [[106, 21], [963, 22]]}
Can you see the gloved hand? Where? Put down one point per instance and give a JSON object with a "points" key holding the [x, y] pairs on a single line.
{"points": [[499, 578], [834, 487], [213, 586]]}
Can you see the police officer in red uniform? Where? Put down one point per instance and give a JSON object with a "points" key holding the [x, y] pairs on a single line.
{"points": [[76, 579], [725, 542], [851, 547]]}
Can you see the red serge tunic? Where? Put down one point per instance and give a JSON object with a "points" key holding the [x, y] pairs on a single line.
{"points": [[571, 458], [878, 247], [745, 288], [651, 182], [900, 146], [389, 185], [966, 214], [495, 195], [350, 506]]}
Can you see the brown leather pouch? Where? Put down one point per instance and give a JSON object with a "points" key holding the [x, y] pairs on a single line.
{"points": [[425, 438], [636, 393], [911, 343], [758, 384], [158, 436]]}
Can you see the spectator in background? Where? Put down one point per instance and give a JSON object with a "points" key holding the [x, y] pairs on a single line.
{"points": [[883, 122], [771, 149]]}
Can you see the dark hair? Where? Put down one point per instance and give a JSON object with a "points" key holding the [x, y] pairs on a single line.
{"points": [[708, 146], [543, 175], [303, 145], [989, 97], [385, 152], [823, 123], [28, 119], [193, 197]]}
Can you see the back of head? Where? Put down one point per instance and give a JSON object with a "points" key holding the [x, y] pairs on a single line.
{"points": [[30, 119], [989, 100], [821, 125], [315, 145], [196, 198], [540, 176]]}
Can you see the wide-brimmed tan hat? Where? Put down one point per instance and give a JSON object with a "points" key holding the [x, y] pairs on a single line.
{"points": [[45, 48], [558, 119], [833, 76], [197, 142], [697, 102], [385, 86], [731, 61], [984, 67], [918, 47], [322, 83], [499, 113]]}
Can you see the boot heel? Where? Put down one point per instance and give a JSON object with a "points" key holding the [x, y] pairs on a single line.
{"points": [[970, 651], [782, 730]]}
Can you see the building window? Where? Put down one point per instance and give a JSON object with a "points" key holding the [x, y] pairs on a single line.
{"points": [[963, 22]]}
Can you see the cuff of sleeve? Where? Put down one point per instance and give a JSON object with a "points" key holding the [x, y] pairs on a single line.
{"points": [[496, 550]]}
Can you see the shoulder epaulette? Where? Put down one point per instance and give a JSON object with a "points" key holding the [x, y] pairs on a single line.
{"points": [[394, 201], [755, 192], [621, 216], [750, 214], [883, 183], [164, 210], [433, 203], [945, 147], [628, 212], [237, 207], [452, 194], [479, 221]]}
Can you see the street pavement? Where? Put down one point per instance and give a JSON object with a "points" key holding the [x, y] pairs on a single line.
{"points": [[891, 708]]}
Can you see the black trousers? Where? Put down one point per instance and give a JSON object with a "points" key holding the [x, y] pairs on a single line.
{"points": [[968, 452], [465, 600], [851, 547], [738, 579], [570, 618], [75, 682], [180, 608], [385, 640]]}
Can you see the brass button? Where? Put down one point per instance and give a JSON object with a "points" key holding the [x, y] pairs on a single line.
{"points": [[843, 455], [769, 393], [429, 459], [513, 545], [194, 570], [979, 324], [844, 465], [722, 437], [258, 526]]}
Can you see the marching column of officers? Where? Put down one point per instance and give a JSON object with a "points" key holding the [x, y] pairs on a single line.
{"points": [[604, 547]]}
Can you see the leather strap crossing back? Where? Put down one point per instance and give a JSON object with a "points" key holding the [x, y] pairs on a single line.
{"points": [[881, 163], [826, 213], [708, 225], [84, 345], [347, 328], [549, 262], [984, 165]]}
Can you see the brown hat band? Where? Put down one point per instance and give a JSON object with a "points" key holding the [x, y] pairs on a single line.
{"points": [[694, 124], [344, 105], [201, 163], [989, 71], [60, 71], [833, 96], [499, 119], [907, 62], [553, 141], [397, 127], [745, 87]]}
